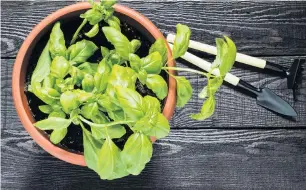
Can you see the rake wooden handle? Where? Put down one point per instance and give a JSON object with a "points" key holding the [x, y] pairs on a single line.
{"points": [[205, 65], [241, 58]]}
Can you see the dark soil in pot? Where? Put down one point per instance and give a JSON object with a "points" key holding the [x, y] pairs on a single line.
{"points": [[74, 140]]}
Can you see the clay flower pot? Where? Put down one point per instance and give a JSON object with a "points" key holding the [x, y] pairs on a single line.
{"points": [[144, 25]]}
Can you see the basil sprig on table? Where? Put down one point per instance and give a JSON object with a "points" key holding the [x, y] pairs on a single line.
{"points": [[101, 97]]}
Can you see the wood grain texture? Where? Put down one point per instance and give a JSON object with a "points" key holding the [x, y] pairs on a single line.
{"points": [[258, 28]]}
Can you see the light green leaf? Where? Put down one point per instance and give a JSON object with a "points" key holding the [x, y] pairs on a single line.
{"points": [[108, 3], [158, 85], [105, 101], [204, 93], [152, 63], [57, 41], [117, 115], [183, 91], [89, 110], [114, 22], [135, 62], [136, 153], [160, 46], [102, 74], [69, 101], [161, 128], [45, 94], [53, 123], [77, 75], [93, 31], [181, 41], [93, 16], [135, 45], [45, 109], [207, 110], [57, 113], [104, 51], [42, 69], [49, 82], [142, 76], [60, 67], [58, 135], [88, 83], [151, 103], [81, 51], [122, 76], [226, 55], [119, 41], [87, 67], [110, 165]]}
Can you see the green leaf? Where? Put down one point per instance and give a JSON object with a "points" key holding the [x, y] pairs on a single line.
{"points": [[204, 93], [69, 101], [135, 45], [42, 69], [117, 115], [135, 62], [108, 3], [183, 91], [161, 128], [213, 85], [60, 67], [45, 94], [45, 109], [160, 46], [88, 83], [123, 77], [57, 41], [81, 51], [136, 153], [142, 76], [131, 102], [87, 67], [114, 22], [49, 82], [181, 41], [226, 54], [57, 113], [91, 150], [102, 75], [104, 51], [93, 16], [93, 31], [158, 85], [77, 75], [89, 110], [207, 109], [53, 123], [119, 41], [110, 165], [106, 102], [58, 135], [151, 103], [83, 96], [152, 63]]}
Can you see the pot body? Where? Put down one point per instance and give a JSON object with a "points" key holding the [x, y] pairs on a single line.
{"points": [[141, 23]]}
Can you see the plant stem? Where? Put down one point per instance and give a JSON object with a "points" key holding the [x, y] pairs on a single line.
{"points": [[184, 69], [75, 35], [105, 124]]}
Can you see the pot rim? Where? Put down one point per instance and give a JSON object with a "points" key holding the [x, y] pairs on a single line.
{"points": [[20, 100]]}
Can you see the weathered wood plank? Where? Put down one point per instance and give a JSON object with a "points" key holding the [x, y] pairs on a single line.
{"points": [[258, 28], [234, 109], [186, 159]]}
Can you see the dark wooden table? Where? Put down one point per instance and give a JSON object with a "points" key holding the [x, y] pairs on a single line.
{"points": [[243, 146]]}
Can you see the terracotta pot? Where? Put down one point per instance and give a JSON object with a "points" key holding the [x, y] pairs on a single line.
{"points": [[22, 62]]}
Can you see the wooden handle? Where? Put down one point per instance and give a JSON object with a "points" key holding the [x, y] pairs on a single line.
{"points": [[241, 58], [205, 65]]}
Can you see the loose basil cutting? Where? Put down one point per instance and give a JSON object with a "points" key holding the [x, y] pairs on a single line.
{"points": [[101, 95]]}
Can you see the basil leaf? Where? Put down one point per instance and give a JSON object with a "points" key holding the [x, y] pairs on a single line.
{"points": [[158, 85], [44, 94], [152, 63], [87, 67], [135, 62], [42, 68], [204, 93], [58, 113], [93, 31], [88, 83], [105, 101], [49, 82], [160, 46], [69, 101], [114, 22], [207, 109], [142, 76], [161, 128], [81, 51], [60, 67], [183, 91], [108, 3], [226, 54], [83, 96], [135, 45], [45, 109], [122, 76], [93, 16], [119, 41], [213, 85], [110, 165], [117, 115], [101, 76], [77, 75], [181, 41], [58, 135], [151, 103], [104, 51], [89, 110], [131, 102], [53, 123], [136, 153], [57, 41], [91, 150]]}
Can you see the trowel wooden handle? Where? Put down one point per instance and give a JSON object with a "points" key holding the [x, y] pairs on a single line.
{"points": [[205, 65], [242, 58]]}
